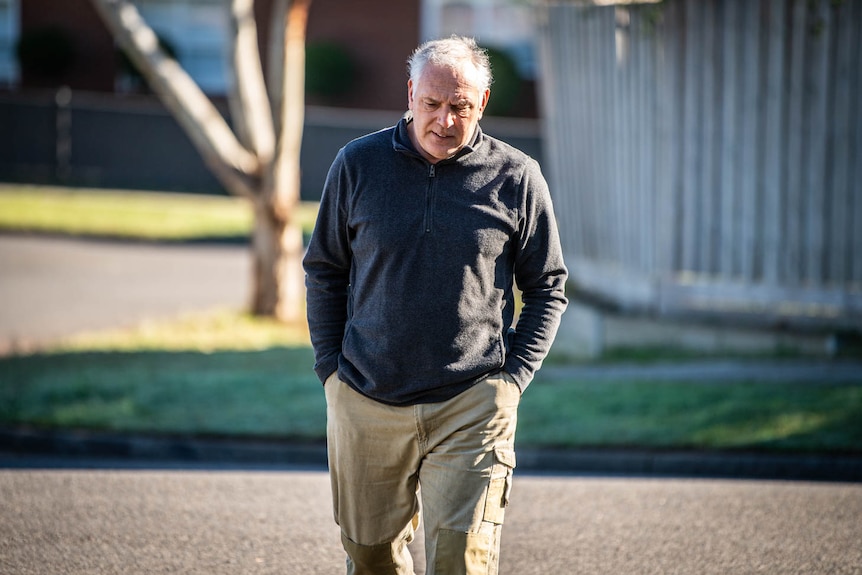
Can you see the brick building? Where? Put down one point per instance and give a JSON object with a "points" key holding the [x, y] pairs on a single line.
{"points": [[375, 36], [108, 132], [197, 30]]}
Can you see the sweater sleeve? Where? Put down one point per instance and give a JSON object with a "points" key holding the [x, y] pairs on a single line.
{"points": [[327, 272], [540, 274]]}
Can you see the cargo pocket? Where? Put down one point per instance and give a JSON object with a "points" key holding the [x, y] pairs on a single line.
{"points": [[500, 486]]}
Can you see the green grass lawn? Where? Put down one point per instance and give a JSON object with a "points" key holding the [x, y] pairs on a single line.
{"points": [[225, 373], [691, 415], [274, 393], [130, 214]]}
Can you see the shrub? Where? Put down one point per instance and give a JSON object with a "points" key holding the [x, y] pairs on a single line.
{"points": [[45, 52], [329, 70], [506, 89]]}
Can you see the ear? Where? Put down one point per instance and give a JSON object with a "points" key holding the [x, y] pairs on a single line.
{"points": [[409, 94], [486, 95]]}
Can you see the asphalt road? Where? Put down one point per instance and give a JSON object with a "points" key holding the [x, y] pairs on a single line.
{"points": [[55, 287], [279, 521]]}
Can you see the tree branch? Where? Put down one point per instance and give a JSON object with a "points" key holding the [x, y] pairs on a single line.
{"points": [[289, 102], [251, 109], [234, 165]]}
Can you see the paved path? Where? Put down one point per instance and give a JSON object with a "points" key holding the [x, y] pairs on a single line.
{"points": [[277, 521]]}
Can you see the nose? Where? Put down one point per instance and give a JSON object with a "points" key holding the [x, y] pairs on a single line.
{"points": [[446, 118]]}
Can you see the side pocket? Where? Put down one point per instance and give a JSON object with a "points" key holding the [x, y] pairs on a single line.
{"points": [[500, 487], [331, 376], [507, 377], [329, 386]]}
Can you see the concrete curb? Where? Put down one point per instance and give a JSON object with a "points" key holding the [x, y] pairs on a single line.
{"points": [[709, 464], [189, 449], [192, 450]]}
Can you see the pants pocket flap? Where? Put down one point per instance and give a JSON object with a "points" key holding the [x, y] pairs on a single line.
{"points": [[505, 456]]}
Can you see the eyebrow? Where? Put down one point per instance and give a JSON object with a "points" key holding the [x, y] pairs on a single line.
{"points": [[460, 103]]}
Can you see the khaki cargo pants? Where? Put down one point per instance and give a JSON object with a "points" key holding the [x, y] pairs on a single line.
{"points": [[458, 455]]}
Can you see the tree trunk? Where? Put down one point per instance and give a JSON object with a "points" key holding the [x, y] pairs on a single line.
{"points": [[262, 164], [278, 280], [279, 288]]}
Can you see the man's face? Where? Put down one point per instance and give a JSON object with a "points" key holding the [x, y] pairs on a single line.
{"points": [[447, 105]]}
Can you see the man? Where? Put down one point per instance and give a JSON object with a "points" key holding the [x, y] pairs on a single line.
{"points": [[423, 228]]}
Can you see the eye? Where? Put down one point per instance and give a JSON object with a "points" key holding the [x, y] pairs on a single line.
{"points": [[463, 110]]}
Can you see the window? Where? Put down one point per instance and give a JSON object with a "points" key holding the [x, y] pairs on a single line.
{"points": [[9, 31], [504, 24], [198, 31]]}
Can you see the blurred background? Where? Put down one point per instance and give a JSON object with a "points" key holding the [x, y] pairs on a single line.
{"points": [[703, 155]]}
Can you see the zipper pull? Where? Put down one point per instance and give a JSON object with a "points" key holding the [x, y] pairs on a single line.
{"points": [[431, 172]]}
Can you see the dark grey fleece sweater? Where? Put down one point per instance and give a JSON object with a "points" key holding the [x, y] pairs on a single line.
{"points": [[411, 266]]}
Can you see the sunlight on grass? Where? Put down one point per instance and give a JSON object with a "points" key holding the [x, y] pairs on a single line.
{"points": [[271, 392], [130, 214], [220, 372], [733, 415], [203, 331], [777, 429], [224, 372], [121, 213]]}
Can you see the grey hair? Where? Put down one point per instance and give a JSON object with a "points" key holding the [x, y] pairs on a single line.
{"points": [[451, 53]]}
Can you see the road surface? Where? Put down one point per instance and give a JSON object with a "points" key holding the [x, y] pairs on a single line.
{"points": [[55, 287], [108, 521]]}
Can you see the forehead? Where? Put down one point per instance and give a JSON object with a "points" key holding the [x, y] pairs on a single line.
{"points": [[444, 82]]}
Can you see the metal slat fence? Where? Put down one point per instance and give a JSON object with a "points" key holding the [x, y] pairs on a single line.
{"points": [[706, 155]]}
